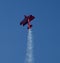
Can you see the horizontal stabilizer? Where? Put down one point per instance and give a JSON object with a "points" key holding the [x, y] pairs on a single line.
{"points": [[30, 27]]}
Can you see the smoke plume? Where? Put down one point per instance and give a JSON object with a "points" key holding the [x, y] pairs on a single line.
{"points": [[29, 52]]}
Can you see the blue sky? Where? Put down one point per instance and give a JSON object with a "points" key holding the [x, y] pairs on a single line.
{"points": [[45, 30]]}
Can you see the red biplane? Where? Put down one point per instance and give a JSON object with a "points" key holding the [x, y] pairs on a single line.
{"points": [[27, 20]]}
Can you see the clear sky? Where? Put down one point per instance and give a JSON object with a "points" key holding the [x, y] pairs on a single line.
{"points": [[45, 30]]}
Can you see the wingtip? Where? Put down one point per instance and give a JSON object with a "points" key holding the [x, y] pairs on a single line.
{"points": [[20, 23]]}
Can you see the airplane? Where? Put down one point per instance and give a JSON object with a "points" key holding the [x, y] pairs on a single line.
{"points": [[27, 20]]}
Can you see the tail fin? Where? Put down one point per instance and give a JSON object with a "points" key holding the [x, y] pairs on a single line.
{"points": [[29, 27]]}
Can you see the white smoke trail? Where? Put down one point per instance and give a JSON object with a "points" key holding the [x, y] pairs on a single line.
{"points": [[29, 53]]}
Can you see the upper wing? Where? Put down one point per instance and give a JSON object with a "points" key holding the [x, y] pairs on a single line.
{"points": [[31, 17], [24, 22]]}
